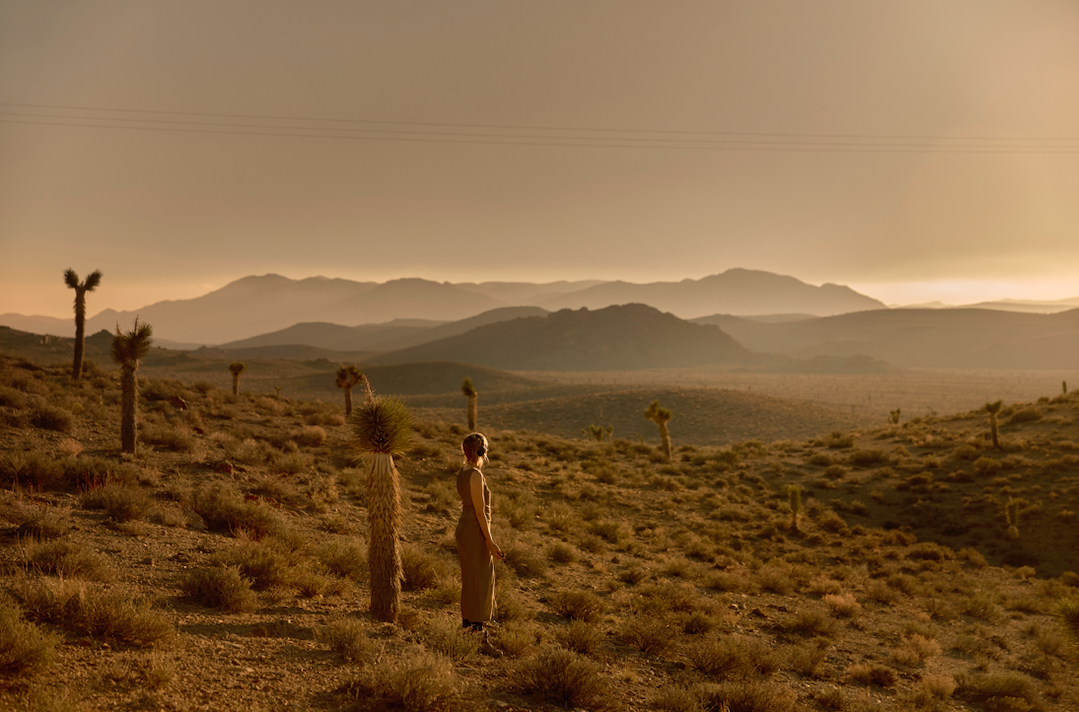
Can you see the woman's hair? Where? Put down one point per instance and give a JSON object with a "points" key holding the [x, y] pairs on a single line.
{"points": [[475, 448]]}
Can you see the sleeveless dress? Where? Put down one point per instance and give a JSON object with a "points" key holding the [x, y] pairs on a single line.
{"points": [[477, 564]]}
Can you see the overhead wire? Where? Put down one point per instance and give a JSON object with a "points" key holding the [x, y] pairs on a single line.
{"points": [[516, 135]]}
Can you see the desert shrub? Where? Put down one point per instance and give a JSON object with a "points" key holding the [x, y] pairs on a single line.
{"points": [[121, 502], [747, 696], [986, 466], [580, 637], [725, 581], [173, 437], [1068, 611], [11, 398], [310, 436], [262, 564], [843, 605], [347, 560], [449, 638], [525, 562], [293, 463], [867, 457], [66, 559], [51, 417], [561, 553], [999, 691], [811, 622], [1025, 415], [512, 606], [820, 459], [42, 523], [697, 623], [223, 509], [775, 579], [31, 469], [25, 649], [417, 682], [578, 605], [873, 674], [981, 605], [420, 569], [614, 532], [915, 650], [652, 636], [564, 678], [346, 637], [675, 699], [113, 614], [806, 660], [733, 656], [222, 587]]}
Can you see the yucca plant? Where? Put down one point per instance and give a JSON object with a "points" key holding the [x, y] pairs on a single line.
{"points": [[382, 427], [992, 409], [794, 500], [81, 288], [236, 368], [660, 416], [347, 378], [470, 392], [127, 350], [1067, 609], [1011, 513]]}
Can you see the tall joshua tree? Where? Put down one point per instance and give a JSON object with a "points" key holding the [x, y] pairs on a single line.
{"points": [[992, 409], [660, 416], [347, 377], [127, 350], [382, 428], [236, 368], [81, 288], [470, 392]]}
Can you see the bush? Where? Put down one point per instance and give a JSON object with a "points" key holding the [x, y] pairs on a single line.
{"points": [[24, 648], [345, 560], [346, 637], [120, 502], [422, 682], [420, 569], [310, 436], [89, 611], [50, 417], [66, 559], [734, 656], [220, 587], [564, 678], [449, 638], [223, 509], [264, 565], [525, 562], [997, 690], [747, 696], [578, 605], [580, 637]]}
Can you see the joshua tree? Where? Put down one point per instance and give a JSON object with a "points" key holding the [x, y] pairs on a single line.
{"points": [[1064, 387], [72, 280], [794, 499], [383, 427], [992, 409], [660, 416], [127, 349], [893, 416], [347, 377], [236, 368], [470, 391], [1011, 513]]}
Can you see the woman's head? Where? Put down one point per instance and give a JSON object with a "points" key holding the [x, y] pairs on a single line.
{"points": [[475, 448]]}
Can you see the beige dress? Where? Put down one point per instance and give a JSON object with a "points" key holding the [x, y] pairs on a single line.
{"points": [[477, 564]]}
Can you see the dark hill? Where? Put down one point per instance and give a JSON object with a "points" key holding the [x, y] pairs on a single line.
{"points": [[631, 336]]}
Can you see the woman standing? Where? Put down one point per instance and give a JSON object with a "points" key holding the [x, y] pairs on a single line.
{"points": [[475, 546]]}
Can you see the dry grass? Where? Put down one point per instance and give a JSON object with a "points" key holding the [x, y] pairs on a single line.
{"points": [[222, 587], [92, 611]]}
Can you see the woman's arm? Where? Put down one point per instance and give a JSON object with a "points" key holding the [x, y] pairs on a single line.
{"points": [[475, 488]]}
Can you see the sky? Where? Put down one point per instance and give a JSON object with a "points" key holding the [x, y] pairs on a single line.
{"points": [[916, 150]]}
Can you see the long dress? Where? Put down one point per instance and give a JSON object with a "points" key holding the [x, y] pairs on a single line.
{"points": [[477, 564]]}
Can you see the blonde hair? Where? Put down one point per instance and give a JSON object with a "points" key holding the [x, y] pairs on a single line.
{"points": [[475, 448]]}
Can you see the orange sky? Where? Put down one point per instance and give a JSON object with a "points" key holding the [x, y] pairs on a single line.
{"points": [[915, 150]]}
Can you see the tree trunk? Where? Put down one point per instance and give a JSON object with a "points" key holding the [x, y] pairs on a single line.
{"points": [[993, 430], [384, 555], [348, 402], [472, 413], [80, 335], [665, 438], [129, 387], [235, 385]]}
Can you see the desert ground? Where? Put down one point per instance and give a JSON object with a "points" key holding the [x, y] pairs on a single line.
{"points": [[224, 566]]}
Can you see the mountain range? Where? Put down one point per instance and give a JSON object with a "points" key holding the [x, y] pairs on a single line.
{"points": [[258, 305]]}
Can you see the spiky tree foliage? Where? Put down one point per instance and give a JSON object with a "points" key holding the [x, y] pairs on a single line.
{"points": [[127, 350], [81, 288], [992, 409], [660, 416], [348, 377], [794, 499], [470, 392], [236, 368], [382, 427]]}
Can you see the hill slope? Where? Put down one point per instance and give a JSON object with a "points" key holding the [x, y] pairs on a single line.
{"points": [[630, 336]]}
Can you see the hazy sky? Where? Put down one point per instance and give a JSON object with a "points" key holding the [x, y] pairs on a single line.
{"points": [[914, 149]]}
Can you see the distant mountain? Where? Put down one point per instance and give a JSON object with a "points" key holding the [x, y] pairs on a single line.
{"points": [[736, 291], [921, 338], [629, 336], [526, 292], [392, 335]]}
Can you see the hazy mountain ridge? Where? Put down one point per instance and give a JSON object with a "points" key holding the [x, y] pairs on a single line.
{"points": [[925, 338], [629, 336]]}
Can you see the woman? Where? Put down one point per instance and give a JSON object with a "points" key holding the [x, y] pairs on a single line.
{"points": [[475, 546]]}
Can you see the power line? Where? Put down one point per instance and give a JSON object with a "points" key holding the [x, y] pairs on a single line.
{"points": [[491, 134]]}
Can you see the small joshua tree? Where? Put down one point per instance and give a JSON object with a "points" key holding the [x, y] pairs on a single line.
{"points": [[382, 428], [348, 377], [1064, 387], [127, 350], [1011, 513], [992, 409], [81, 288], [794, 499], [470, 392], [893, 416], [660, 416], [236, 368]]}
